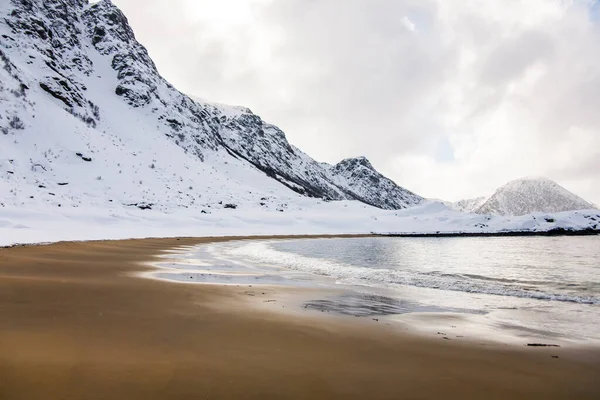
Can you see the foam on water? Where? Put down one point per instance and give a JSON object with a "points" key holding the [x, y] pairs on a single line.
{"points": [[265, 253], [217, 264]]}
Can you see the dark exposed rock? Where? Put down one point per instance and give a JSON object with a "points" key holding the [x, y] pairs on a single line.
{"points": [[591, 231], [141, 205], [98, 35], [80, 155], [56, 94], [16, 123]]}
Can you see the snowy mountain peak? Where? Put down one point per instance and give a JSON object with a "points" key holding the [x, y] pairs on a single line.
{"points": [[370, 186], [109, 16], [353, 163], [528, 195], [534, 180]]}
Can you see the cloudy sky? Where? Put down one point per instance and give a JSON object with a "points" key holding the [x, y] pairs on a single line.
{"points": [[450, 98]]}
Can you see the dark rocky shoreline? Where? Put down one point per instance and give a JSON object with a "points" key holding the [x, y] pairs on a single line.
{"points": [[551, 232]]}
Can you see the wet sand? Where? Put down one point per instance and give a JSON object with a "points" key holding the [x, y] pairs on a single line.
{"points": [[76, 323]]}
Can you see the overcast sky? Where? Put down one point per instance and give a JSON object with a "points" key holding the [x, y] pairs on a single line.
{"points": [[449, 98]]}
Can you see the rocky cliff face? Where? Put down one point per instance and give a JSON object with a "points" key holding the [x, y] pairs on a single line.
{"points": [[49, 34], [85, 59]]}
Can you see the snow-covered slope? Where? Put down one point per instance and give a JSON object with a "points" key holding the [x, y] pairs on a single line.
{"points": [[468, 205], [529, 195], [84, 105], [302, 216]]}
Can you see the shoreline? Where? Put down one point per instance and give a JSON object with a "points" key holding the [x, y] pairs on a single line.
{"points": [[77, 324], [551, 232], [306, 295], [504, 233]]}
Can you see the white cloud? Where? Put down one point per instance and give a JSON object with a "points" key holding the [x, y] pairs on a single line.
{"points": [[451, 98]]}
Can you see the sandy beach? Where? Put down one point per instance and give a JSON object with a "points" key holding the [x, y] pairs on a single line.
{"points": [[76, 323]]}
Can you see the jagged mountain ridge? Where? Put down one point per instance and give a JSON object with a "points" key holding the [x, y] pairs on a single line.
{"points": [[529, 195], [84, 58], [366, 184]]}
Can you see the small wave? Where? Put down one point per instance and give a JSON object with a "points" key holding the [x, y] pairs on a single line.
{"points": [[262, 252], [502, 280]]}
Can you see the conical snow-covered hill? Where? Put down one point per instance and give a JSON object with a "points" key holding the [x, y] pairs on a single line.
{"points": [[529, 195]]}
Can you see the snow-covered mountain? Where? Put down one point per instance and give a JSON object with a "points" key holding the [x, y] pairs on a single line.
{"points": [[529, 195], [366, 184], [86, 119], [95, 144]]}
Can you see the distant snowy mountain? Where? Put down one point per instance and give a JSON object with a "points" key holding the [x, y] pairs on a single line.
{"points": [[86, 119], [529, 195], [468, 205]]}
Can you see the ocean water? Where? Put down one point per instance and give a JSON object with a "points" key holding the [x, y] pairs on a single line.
{"points": [[545, 286], [564, 269]]}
